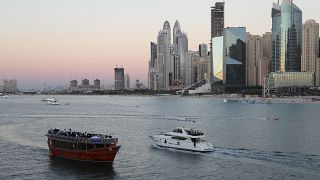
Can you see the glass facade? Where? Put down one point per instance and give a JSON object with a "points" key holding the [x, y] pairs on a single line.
{"points": [[217, 55], [276, 31], [291, 36], [286, 37], [235, 56]]}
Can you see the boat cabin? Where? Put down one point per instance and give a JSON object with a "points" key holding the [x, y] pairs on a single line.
{"points": [[186, 132]]}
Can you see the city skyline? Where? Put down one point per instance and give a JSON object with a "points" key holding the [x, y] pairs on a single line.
{"points": [[55, 42]]}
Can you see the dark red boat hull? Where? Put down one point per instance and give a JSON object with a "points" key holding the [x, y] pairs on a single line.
{"points": [[106, 155]]}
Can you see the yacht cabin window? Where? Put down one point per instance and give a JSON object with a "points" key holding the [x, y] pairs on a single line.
{"points": [[177, 130]]}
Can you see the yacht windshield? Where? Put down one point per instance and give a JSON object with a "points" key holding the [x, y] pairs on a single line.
{"points": [[193, 132], [177, 130]]}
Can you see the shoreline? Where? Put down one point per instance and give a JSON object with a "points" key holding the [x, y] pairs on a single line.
{"points": [[230, 98]]}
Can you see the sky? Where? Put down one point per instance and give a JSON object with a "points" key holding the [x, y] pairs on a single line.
{"points": [[55, 41]]}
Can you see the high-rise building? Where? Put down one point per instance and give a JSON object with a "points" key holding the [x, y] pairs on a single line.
{"points": [[85, 86], [118, 79], [218, 60], [217, 27], [153, 66], [73, 83], [203, 69], [267, 49], [9, 86], [263, 70], [164, 68], [182, 40], [127, 82], [286, 37], [253, 55], [235, 56], [310, 47], [153, 55], [266, 45], [203, 50], [176, 32], [190, 58], [276, 33], [85, 82], [217, 19], [139, 85], [96, 84], [176, 66]]}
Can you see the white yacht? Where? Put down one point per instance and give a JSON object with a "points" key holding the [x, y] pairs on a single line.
{"points": [[183, 139], [52, 102]]}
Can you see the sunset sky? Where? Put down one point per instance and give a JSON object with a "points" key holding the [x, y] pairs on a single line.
{"points": [[54, 41]]}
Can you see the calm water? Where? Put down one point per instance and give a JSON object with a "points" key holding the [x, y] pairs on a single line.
{"points": [[247, 144]]}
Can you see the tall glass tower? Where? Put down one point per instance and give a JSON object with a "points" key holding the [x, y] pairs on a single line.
{"points": [[217, 28], [286, 37], [234, 51]]}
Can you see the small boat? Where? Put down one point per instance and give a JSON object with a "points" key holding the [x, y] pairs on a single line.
{"points": [[52, 102], [225, 100], [3, 96], [183, 139], [82, 146]]}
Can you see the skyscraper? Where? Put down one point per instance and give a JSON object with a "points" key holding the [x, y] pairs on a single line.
{"points": [[235, 56], [176, 31], [266, 45], [217, 19], [217, 27], [182, 41], [203, 50], [286, 37], [190, 58], [310, 48], [152, 75], [253, 55], [163, 57], [9, 86], [276, 32], [218, 59], [127, 82], [118, 79]]}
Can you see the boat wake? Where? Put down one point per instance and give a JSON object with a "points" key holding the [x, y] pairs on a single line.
{"points": [[290, 159], [8, 133]]}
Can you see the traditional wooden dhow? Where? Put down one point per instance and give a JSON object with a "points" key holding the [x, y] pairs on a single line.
{"points": [[82, 146]]}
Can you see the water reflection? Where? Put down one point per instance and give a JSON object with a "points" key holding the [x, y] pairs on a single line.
{"points": [[81, 169]]}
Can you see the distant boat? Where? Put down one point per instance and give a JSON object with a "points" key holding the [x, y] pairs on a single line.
{"points": [[225, 100], [3, 96], [49, 99], [52, 102]]}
